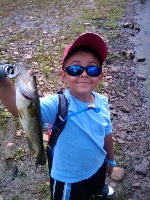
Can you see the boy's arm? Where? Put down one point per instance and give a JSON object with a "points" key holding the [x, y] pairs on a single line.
{"points": [[108, 146], [8, 96]]}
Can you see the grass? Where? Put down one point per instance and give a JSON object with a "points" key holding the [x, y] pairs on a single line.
{"points": [[117, 146], [15, 38], [19, 151], [120, 88], [100, 87], [46, 70], [122, 196], [4, 116], [17, 197], [115, 12], [107, 10], [44, 191]]}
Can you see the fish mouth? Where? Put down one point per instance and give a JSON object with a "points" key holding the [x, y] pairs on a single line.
{"points": [[27, 97], [27, 93]]}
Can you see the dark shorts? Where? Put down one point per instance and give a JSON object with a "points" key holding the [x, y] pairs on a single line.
{"points": [[81, 190]]}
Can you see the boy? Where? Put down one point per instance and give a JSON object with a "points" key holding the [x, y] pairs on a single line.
{"points": [[83, 154]]}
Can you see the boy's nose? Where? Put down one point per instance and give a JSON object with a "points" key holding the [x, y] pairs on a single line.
{"points": [[84, 74]]}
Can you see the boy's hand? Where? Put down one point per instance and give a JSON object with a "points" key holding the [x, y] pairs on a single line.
{"points": [[109, 169]]}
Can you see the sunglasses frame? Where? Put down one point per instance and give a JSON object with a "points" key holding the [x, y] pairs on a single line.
{"points": [[83, 69]]}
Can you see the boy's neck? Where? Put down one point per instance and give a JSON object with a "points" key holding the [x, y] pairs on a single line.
{"points": [[85, 98]]}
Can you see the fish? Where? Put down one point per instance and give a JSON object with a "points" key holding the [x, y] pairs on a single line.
{"points": [[28, 106]]}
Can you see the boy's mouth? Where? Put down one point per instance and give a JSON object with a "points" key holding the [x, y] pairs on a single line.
{"points": [[84, 82]]}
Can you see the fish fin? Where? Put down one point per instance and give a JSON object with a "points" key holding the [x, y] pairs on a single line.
{"points": [[31, 109], [30, 144], [41, 159]]}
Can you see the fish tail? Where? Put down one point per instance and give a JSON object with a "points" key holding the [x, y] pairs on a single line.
{"points": [[41, 159]]}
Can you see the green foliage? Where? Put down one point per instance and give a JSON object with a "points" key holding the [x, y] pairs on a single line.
{"points": [[17, 197], [4, 115], [99, 87], [1, 13], [45, 70], [44, 191], [19, 151], [115, 12], [112, 57], [44, 58], [120, 88], [118, 159], [123, 195], [117, 147], [111, 24], [17, 122]]}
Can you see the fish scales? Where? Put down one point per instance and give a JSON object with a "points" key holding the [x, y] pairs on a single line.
{"points": [[28, 105]]}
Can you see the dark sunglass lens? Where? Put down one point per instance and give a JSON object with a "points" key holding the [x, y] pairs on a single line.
{"points": [[74, 70], [94, 71]]}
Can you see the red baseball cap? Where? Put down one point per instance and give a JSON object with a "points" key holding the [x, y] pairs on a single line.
{"points": [[91, 40]]}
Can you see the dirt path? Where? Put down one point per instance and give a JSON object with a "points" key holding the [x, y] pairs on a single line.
{"points": [[37, 32]]}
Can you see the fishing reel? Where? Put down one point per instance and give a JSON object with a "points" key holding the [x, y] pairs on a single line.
{"points": [[7, 70]]}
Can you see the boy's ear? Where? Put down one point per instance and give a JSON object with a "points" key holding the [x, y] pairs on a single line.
{"points": [[63, 76], [101, 76]]}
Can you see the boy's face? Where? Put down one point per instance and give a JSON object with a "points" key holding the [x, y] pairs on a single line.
{"points": [[83, 84]]}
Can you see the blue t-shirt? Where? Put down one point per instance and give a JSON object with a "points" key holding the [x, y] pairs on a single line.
{"points": [[79, 152]]}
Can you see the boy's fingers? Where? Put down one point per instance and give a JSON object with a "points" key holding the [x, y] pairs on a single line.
{"points": [[109, 170]]}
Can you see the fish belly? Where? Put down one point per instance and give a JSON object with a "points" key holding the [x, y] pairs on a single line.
{"points": [[29, 114]]}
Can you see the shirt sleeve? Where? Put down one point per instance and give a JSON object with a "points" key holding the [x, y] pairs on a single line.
{"points": [[108, 128], [49, 109]]}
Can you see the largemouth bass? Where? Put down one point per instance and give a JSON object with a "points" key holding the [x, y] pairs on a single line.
{"points": [[28, 106]]}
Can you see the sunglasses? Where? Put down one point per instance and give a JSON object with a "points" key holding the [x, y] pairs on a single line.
{"points": [[77, 70]]}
